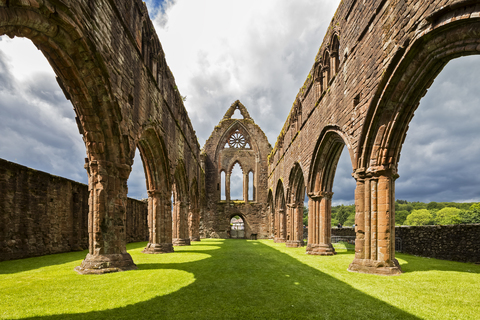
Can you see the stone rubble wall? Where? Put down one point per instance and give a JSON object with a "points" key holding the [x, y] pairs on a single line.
{"points": [[44, 214], [459, 242]]}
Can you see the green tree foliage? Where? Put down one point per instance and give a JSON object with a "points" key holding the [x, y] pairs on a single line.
{"points": [[342, 214], [475, 206], [305, 216], [401, 216], [419, 217], [470, 216], [448, 215]]}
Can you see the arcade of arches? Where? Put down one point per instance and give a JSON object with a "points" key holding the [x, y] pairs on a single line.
{"points": [[363, 88]]}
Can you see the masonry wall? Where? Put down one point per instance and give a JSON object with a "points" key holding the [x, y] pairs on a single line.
{"points": [[454, 242], [43, 214]]}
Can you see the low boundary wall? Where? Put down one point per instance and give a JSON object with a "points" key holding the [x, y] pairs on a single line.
{"points": [[43, 214], [459, 242]]}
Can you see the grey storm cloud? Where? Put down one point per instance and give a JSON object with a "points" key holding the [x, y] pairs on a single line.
{"points": [[439, 158], [37, 126]]}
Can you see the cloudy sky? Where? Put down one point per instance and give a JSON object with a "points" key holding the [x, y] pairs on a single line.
{"points": [[259, 52]]}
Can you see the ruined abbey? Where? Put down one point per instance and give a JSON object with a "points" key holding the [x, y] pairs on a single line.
{"points": [[376, 61]]}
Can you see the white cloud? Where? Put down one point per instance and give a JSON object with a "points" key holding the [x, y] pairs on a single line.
{"points": [[257, 51]]}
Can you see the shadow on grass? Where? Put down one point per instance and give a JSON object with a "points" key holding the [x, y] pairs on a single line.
{"points": [[27, 264], [419, 264], [251, 280]]}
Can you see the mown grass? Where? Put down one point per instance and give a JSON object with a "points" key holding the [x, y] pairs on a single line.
{"points": [[233, 279]]}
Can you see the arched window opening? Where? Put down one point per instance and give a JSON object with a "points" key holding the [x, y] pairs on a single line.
{"points": [[237, 114], [335, 56], [223, 186], [326, 70], [37, 124], [251, 187], [237, 228], [145, 44], [236, 183]]}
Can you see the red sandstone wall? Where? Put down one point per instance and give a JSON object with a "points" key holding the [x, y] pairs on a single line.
{"points": [[44, 214]]}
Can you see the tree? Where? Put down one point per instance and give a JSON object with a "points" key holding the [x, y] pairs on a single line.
{"points": [[475, 206], [448, 215], [470, 216], [342, 214], [432, 205], [419, 218], [401, 216]]}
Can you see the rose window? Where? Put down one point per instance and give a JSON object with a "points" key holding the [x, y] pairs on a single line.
{"points": [[237, 140]]}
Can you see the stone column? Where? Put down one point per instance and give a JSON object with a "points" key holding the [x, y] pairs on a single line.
{"points": [[375, 223], [281, 226], [227, 187], [296, 232], [180, 231], [272, 222], [245, 187], [107, 185], [326, 76], [194, 224], [159, 223], [320, 242]]}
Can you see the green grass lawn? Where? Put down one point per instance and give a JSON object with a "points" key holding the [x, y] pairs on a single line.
{"points": [[237, 279]]}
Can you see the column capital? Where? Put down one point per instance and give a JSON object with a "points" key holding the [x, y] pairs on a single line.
{"points": [[320, 194], [110, 168], [375, 172], [155, 192]]}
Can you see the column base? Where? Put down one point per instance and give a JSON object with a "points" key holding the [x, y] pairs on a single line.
{"points": [[106, 263], [154, 248], [279, 240], [181, 242], [320, 249], [375, 267], [294, 244], [195, 239]]}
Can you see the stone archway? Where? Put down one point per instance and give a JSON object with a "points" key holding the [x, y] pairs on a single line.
{"points": [[322, 172], [237, 227], [387, 125], [280, 215], [294, 213], [155, 164]]}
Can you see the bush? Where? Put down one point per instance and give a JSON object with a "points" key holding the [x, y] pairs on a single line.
{"points": [[448, 215], [419, 218]]}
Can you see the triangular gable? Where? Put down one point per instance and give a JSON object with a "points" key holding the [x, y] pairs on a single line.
{"points": [[237, 105]]}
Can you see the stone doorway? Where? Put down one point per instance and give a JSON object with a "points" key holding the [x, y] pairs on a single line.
{"points": [[237, 228]]}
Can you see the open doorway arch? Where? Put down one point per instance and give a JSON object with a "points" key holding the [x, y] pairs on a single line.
{"points": [[237, 227]]}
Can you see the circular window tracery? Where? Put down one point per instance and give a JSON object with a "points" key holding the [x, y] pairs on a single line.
{"points": [[237, 140]]}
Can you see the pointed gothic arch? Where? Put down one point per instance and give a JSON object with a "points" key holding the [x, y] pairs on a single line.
{"points": [[180, 206], [280, 214], [155, 163], [295, 199], [320, 182]]}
